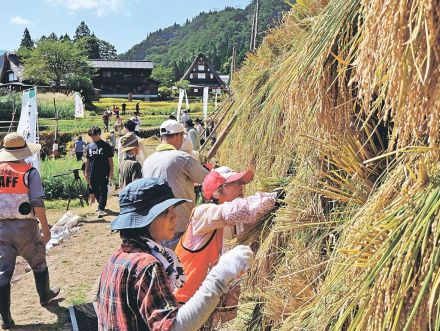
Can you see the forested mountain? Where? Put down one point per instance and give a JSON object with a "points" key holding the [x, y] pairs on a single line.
{"points": [[214, 33]]}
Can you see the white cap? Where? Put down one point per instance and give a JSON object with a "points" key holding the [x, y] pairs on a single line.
{"points": [[171, 127]]}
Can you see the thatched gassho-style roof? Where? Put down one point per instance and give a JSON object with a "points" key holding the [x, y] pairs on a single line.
{"points": [[216, 76], [11, 62]]}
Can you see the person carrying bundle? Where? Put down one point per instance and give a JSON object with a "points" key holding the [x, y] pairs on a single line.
{"points": [[135, 288], [201, 245]]}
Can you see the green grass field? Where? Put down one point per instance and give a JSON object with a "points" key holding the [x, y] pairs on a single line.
{"points": [[152, 115], [76, 126]]}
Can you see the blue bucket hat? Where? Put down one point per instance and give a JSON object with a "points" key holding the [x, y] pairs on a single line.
{"points": [[142, 201]]}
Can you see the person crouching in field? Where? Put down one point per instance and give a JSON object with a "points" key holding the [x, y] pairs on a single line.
{"points": [[201, 245], [131, 169], [136, 286], [21, 207]]}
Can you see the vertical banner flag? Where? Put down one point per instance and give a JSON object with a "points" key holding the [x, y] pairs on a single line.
{"points": [[186, 100], [179, 105], [28, 123], [205, 101], [79, 106]]}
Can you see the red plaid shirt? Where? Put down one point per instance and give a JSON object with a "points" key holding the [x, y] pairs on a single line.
{"points": [[134, 293]]}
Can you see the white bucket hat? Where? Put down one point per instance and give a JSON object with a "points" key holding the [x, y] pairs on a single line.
{"points": [[15, 148]]}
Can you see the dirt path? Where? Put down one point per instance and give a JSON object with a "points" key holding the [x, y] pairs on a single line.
{"points": [[75, 266]]}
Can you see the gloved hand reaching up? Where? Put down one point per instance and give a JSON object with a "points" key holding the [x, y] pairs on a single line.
{"points": [[234, 263]]}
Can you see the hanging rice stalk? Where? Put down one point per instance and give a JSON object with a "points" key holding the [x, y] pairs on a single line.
{"points": [[383, 275]]}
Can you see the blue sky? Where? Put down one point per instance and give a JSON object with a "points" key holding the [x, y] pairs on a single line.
{"points": [[123, 23]]}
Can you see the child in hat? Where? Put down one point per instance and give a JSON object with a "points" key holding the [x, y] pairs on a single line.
{"points": [[135, 289]]}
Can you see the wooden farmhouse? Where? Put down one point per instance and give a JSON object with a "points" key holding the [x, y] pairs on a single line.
{"points": [[117, 79], [201, 74], [11, 73]]}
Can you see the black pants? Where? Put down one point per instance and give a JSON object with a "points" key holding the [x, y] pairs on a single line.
{"points": [[100, 190], [79, 156]]}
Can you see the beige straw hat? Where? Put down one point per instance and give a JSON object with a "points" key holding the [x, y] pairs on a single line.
{"points": [[15, 148], [129, 141]]}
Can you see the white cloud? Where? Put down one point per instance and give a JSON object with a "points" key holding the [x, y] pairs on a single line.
{"points": [[100, 7], [20, 20]]}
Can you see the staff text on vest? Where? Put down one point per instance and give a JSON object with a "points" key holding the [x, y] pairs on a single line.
{"points": [[8, 181]]}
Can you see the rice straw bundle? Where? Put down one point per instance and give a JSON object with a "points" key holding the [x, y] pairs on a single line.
{"points": [[342, 100]]}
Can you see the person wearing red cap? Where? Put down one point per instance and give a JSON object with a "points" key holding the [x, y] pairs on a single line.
{"points": [[202, 243]]}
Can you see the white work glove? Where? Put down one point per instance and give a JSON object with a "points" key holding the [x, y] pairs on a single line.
{"points": [[234, 263], [196, 311]]}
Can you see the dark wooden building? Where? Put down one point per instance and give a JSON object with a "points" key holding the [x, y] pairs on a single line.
{"points": [[117, 79], [11, 73], [201, 74]]}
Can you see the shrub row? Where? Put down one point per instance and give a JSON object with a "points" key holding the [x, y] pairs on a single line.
{"points": [[61, 187]]}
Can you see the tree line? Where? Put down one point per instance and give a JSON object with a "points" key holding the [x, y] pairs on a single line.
{"points": [[63, 61], [213, 33]]}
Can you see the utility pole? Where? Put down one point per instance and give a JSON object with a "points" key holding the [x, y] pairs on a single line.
{"points": [[251, 43], [232, 66], [256, 24], [254, 32]]}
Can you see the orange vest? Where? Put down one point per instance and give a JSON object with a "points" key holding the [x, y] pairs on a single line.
{"points": [[14, 191], [197, 263]]}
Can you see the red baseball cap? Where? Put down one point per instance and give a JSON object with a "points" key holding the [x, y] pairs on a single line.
{"points": [[223, 175]]}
